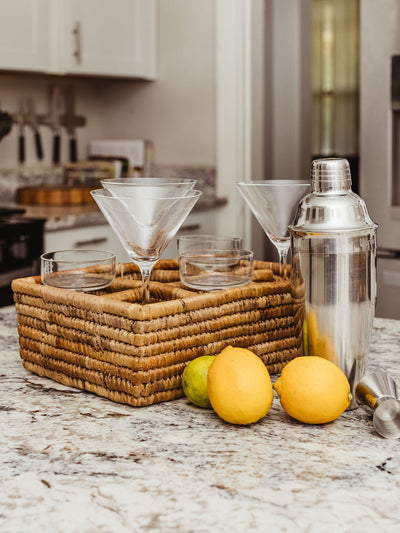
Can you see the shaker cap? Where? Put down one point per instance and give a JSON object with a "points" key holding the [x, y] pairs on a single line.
{"points": [[332, 206], [330, 174]]}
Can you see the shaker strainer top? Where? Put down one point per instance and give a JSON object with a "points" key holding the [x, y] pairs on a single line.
{"points": [[330, 174], [332, 207]]}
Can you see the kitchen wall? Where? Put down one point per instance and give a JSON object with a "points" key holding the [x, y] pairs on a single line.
{"points": [[88, 103], [177, 111]]}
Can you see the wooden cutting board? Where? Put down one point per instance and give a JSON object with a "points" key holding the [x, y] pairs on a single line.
{"points": [[49, 195]]}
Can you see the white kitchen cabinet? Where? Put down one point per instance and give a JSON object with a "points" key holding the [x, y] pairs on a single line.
{"points": [[100, 237], [25, 35], [114, 38]]}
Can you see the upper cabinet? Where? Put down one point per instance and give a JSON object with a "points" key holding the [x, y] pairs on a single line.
{"points": [[115, 38], [25, 35]]}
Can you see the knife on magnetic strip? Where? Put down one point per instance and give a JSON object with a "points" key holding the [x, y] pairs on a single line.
{"points": [[54, 120], [70, 123]]}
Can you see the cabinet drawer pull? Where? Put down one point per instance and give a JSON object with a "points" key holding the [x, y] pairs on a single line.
{"points": [[77, 35], [90, 242]]}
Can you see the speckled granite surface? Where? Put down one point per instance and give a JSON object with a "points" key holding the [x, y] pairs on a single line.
{"points": [[71, 461]]}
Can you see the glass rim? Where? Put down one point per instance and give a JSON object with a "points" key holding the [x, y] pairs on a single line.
{"points": [[274, 182], [211, 252], [207, 237], [107, 256], [135, 180], [105, 193]]}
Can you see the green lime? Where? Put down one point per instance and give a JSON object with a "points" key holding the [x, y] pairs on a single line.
{"points": [[194, 380]]}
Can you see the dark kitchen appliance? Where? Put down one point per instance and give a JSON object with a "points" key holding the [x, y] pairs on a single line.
{"points": [[21, 244]]}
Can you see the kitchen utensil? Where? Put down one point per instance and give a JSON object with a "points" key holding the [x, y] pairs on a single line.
{"points": [[70, 123], [145, 222], [216, 269], [387, 419], [333, 269], [374, 389], [33, 122], [377, 394], [21, 132], [6, 122], [206, 242], [78, 269], [54, 119], [273, 203]]}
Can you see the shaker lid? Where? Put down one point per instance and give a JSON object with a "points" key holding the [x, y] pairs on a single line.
{"points": [[331, 206], [330, 174]]}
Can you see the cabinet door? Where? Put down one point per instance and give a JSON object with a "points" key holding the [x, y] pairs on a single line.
{"points": [[25, 33], [113, 37]]}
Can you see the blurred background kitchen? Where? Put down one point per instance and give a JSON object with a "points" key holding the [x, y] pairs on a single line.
{"points": [[219, 90]]}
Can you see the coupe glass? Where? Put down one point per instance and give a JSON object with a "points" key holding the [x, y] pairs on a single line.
{"points": [[274, 204], [215, 269], [205, 242], [80, 270], [145, 221]]}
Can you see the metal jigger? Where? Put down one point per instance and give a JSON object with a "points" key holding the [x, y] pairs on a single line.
{"points": [[377, 393]]}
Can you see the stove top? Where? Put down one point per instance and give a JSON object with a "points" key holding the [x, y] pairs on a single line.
{"points": [[14, 216], [7, 212]]}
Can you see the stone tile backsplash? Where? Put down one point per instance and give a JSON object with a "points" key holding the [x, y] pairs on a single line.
{"points": [[205, 176], [13, 178]]}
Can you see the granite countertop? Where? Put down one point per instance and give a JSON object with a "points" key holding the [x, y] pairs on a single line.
{"points": [[72, 461]]}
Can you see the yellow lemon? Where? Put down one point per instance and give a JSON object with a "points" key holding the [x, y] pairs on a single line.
{"points": [[239, 386], [327, 350], [305, 338], [313, 390], [316, 344], [194, 380]]}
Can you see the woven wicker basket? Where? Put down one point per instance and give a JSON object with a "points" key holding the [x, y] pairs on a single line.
{"points": [[109, 344]]}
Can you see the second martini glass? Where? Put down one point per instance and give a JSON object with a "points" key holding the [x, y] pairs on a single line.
{"points": [[145, 222], [274, 203]]}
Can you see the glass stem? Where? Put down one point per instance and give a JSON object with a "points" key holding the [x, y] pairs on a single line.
{"points": [[283, 253], [145, 271]]}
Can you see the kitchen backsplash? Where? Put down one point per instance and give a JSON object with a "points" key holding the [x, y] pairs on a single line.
{"points": [[205, 176], [13, 178]]}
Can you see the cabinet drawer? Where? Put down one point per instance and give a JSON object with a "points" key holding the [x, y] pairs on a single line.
{"points": [[97, 237]]}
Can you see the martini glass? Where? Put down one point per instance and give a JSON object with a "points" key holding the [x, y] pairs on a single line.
{"points": [[160, 186], [274, 204], [145, 221]]}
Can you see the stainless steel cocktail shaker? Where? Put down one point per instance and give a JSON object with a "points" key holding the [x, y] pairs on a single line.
{"points": [[334, 269]]}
